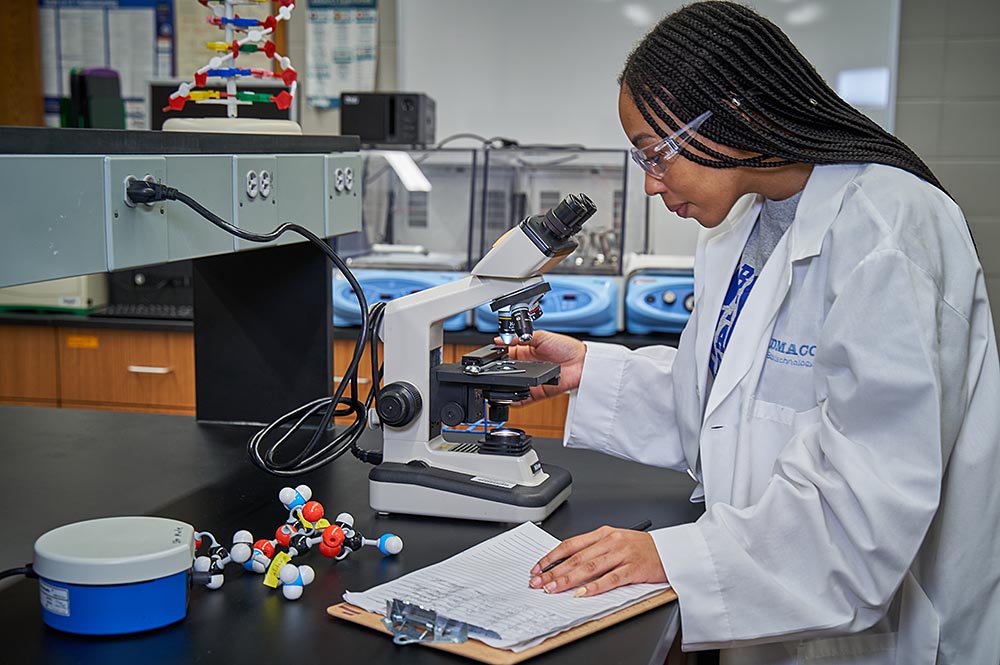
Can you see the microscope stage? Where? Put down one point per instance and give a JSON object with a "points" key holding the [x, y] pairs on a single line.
{"points": [[527, 373]]}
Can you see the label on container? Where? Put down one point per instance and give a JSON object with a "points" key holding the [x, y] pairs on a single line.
{"points": [[55, 599], [82, 341]]}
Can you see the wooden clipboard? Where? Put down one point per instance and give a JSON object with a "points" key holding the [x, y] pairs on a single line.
{"points": [[484, 653]]}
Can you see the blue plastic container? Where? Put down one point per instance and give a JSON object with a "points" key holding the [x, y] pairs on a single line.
{"points": [[115, 575]]}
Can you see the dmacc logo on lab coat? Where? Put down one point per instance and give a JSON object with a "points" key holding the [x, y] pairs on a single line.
{"points": [[798, 354]]}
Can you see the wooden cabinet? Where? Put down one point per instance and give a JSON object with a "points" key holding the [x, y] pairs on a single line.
{"points": [[127, 369], [29, 365], [153, 371], [343, 351], [92, 368]]}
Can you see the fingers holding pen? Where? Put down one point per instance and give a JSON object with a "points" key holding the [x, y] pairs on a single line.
{"points": [[574, 576], [627, 572], [569, 547], [574, 557]]}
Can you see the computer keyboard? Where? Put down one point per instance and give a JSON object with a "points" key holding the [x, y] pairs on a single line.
{"points": [[145, 311]]}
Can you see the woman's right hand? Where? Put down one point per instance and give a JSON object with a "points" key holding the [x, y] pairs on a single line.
{"points": [[567, 351]]}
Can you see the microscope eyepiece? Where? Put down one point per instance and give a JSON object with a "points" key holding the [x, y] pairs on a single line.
{"points": [[552, 232], [566, 218]]}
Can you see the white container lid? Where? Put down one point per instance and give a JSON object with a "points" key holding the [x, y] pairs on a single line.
{"points": [[232, 125], [115, 550]]}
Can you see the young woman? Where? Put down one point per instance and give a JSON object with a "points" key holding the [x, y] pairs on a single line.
{"points": [[835, 393]]}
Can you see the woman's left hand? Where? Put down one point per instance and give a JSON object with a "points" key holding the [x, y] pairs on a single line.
{"points": [[599, 561]]}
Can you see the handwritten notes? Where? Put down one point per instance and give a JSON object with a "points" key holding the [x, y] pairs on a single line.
{"points": [[487, 586]]}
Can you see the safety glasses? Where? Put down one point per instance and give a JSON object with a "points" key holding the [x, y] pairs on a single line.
{"points": [[655, 159]]}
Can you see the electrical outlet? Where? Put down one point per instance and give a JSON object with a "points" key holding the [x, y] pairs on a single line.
{"points": [[253, 184], [256, 204], [265, 184], [343, 204], [137, 233]]}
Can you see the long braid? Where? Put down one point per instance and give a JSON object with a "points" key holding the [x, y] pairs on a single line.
{"points": [[765, 97]]}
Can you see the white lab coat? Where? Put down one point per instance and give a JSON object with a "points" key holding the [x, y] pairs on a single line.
{"points": [[849, 450]]}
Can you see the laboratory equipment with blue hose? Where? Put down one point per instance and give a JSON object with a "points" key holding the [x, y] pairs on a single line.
{"points": [[386, 285]]}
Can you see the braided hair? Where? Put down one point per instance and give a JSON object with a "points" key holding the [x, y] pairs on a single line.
{"points": [[765, 97]]}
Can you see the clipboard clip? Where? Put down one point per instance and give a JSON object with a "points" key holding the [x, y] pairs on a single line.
{"points": [[411, 623]]}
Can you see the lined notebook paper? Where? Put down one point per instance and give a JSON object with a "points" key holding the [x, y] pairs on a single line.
{"points": [[487, 586]]}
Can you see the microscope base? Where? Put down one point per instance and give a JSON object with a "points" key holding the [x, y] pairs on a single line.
{"points": [[412, 489]]}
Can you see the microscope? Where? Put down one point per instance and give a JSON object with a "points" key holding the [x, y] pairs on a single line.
{"points": [[498, 477]]}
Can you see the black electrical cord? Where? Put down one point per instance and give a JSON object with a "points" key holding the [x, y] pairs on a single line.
{"points": [[26, 570], [375, 316], [547, 163], [498, 142], [495, 142], [316, 452]]}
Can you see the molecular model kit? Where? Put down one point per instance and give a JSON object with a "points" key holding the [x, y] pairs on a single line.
{"points": [[305, 528], [242, 35]]}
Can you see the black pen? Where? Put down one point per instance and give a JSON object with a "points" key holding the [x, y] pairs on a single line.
{"points": [[641, 526]]}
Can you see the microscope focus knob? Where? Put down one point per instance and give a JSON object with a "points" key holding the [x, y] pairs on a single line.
{"points": [[452, 414], [398, 404]]}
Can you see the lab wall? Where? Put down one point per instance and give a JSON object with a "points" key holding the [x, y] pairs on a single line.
{"points": [[948, 110]]}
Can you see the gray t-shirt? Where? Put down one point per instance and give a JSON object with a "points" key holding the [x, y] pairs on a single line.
{"points": [[774, 219]]}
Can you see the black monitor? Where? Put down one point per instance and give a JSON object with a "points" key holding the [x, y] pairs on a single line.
{"points": [[162, 284], [160, 91]]}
